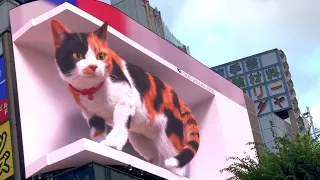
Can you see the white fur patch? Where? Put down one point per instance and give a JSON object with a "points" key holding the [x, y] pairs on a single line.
{"points": [[99, 138], [171, 163]]}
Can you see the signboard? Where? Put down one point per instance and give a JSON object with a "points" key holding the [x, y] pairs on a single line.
{"points": [[262, 107], [221, 71], [252, 64], [269, 59], [258, 92], [6, 160], [3, 93], [235, 69]]}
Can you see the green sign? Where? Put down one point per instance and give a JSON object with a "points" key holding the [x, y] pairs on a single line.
{"points": [[255, 78], [238, 81], [235, 68], [252, 64], [220, 71], [272, 72]]}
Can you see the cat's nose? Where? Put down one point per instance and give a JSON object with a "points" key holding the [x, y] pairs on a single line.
{"points": [[93, 67]]}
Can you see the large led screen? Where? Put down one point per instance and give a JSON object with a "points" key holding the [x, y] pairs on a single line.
{"points": [[89, 92]]}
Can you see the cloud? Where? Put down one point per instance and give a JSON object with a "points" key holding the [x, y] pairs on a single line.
{"points": [[245, 27], [315, 113], [210, 38]]}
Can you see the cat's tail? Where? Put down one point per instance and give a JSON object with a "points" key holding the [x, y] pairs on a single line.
{"points": [[191, 147]]}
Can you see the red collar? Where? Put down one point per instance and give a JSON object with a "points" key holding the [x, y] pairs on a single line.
{"points": [[88, 92]]}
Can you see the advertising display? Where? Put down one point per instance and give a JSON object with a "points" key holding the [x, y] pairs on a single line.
{"points": [[6, 160], [261, 77], [89, 93], [3, 93]]}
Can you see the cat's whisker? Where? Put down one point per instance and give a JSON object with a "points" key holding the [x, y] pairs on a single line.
{"points": [[80, 36], [115, 77]]}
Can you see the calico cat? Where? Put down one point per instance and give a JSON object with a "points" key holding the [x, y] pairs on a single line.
{"points": [[137, 105]]}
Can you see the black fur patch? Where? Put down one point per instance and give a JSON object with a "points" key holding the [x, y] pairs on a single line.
{"points": [[140, 79], [192, 121], [175, 100], [174, 125], [176, 104], [129, 122], [158, 100], [72, 43], [194, 145], [116, 74], [98, 123], [184, 157]]}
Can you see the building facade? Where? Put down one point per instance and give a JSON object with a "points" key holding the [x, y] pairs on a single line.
{"points": [[149, 17], [266, 79]]}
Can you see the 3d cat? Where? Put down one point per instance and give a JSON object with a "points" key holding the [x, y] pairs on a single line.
{"points": [[139, 106]]}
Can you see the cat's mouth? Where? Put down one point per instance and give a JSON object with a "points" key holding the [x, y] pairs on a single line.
{"points": [[91, 72], [92, 75]]}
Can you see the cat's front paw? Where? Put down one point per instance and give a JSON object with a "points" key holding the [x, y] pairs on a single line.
{"points": [[116, 142], [97, 135]]}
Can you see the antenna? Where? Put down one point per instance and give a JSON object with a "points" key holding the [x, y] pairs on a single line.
{"points": [[308, 115]]}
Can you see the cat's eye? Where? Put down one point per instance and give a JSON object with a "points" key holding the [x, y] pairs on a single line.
{"points": [[77, 56], [101, 56]]}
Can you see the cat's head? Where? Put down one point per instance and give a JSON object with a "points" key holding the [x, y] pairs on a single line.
{"points": [[82, 58]]}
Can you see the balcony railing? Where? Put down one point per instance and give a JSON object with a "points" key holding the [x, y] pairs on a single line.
{"points": [[292, 94], [285, 65], [294, 101], [297, 112], [282, 56], [290, 84], [288, 75]]}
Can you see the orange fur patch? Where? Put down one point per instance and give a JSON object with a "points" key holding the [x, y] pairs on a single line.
{"points": [[58, 29], [149, 97], [100, 46], [168, 104], [98, 133], [177, 144]]}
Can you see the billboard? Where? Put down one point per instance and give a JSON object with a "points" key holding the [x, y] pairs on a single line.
{"points": [[6, 160], [261, 77], [3, 93], [89, 92]]}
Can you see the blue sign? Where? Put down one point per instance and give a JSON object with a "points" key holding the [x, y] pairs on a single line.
{"points": [[3, 83]]}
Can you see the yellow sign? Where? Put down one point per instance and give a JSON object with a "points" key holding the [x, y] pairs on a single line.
{"points": [[6, 160]]}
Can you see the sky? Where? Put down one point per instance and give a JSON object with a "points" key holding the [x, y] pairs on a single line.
{"points": [[220, 31]]}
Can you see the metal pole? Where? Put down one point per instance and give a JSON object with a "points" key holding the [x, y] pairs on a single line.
{"points": [[311, 122]]}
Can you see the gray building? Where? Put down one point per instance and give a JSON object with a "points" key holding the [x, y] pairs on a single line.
{"points": [[266, 79], [149, 17], [5, 7]]}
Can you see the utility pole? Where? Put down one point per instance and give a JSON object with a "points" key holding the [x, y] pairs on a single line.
{"points": [[308, 115]]}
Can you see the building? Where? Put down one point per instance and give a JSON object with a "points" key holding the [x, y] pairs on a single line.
{"points": [[60, 148], [266, 79], [149, 17]]}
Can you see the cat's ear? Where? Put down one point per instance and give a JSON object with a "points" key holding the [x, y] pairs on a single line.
{"points": [[59, 32], [102, 31]]}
